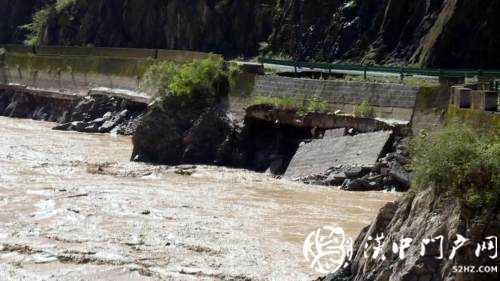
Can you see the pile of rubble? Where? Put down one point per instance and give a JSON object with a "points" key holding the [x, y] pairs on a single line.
{"points": [[104, 113], [390, 173], [354, 162]]}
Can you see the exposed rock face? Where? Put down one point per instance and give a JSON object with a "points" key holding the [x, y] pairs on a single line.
{"points": [[96, 113], [444, 33], [103, 114], [231, 27], [15, 13], [425, 215], [437, 33], [184, 129]]}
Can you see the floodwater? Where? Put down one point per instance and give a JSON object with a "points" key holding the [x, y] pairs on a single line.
{"points": [[72, 207]]}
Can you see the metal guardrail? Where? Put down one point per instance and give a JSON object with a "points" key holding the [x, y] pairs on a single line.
{"points": [[402, 71]]}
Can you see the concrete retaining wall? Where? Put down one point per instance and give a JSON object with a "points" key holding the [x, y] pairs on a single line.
{"points": [[83, 68], [73, 73], [389, 100]]}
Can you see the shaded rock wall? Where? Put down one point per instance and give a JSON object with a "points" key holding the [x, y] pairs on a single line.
{"points": [[437, 33], [232, 27], [15, 13]]}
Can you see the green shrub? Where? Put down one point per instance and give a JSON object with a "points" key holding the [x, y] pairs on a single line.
{"points": [[459, 159], [37, 25], [157, 78], [364, 110], [199, 74], [169, 79], [63, 4], [234, 72], [40, 19], [316, 104], [281, 102]]}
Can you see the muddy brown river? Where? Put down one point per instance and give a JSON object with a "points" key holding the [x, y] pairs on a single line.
{"points": [[72, 207]]}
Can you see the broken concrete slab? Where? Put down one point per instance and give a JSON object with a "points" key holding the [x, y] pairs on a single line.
{"points": [[334, 133], [318, 156]]}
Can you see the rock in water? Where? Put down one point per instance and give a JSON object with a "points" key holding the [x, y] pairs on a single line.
{"points": [[103, 113], [208, 133], [184, 129]]}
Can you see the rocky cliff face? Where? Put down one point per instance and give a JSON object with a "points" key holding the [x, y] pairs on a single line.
{"points": [[436, 33], [439, 33], [231, 27], [13, 14], [426, 215]]}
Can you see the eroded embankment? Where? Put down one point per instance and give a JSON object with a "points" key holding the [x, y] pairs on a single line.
{"points": [[200, 130], [100, 110], [83, 211]]}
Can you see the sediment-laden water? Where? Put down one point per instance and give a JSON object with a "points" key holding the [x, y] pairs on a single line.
{"points": [[72, 207]]}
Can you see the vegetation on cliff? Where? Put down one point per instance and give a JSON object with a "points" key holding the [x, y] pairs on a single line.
{"points": [[456, 193], [459, 159], [440, 33], [231, 27]]}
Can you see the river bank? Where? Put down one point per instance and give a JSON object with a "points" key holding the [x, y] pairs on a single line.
{"points": [[83, 210]]}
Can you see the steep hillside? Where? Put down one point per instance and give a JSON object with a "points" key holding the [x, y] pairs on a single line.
{"points": [[435, 33], [232, 27], [444, 33], [13, 14]]}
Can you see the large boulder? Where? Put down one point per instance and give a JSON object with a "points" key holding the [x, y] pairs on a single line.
{"points": [[189, 129]]}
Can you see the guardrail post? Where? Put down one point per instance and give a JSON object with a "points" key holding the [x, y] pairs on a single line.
{"points": [[402, 74], [365, 72], [295, 66]]}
